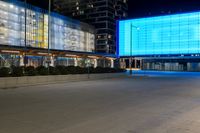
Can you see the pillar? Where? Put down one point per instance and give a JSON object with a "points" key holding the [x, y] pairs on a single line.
{"points": [[141, 64], [51, 61], [104, 62], [21, 60], [75, 62], [130, 63], [112, 63], [67, 61], [95, 63], [135, 63]]}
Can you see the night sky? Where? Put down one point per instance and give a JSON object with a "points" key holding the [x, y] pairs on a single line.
{"points": [[144, 8], [40, 3]]}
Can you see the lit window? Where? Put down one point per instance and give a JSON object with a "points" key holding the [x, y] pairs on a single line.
{"points": [[11, 6], [81, 12]]}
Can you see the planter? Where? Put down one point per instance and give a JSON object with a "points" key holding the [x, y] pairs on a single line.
{"points": [[13, 82]]}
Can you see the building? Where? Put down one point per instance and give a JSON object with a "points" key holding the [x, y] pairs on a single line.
{"points": [[170, 42], [30, 36], [100, 13]]}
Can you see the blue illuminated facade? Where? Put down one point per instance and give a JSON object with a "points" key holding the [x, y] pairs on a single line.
{"points": [[164, 35]]}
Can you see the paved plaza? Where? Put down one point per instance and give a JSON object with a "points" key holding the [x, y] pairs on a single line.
{"points": [[121, 105]]}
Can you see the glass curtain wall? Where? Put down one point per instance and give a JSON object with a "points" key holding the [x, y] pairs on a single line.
{"points": [[37, 28], [11, 24], [164, 35], [66, 34]]}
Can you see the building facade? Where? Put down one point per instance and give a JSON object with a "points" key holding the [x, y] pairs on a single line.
{"points": [[170, 42], [29, 35], [66, 34], [100, 13]]}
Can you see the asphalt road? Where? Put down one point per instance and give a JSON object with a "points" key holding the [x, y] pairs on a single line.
{"points": [[131, 105]]}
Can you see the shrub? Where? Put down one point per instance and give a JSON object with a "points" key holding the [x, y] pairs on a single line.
{"points": [[76, 70], [99, 70], [108, 70], [91, 70], [17, 71], [30, 71], [79, 70], [62, 70], [42, 70], [53, 71], [4, 72], [71, 69]]}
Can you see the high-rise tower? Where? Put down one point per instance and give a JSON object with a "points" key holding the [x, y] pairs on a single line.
{"points": [[100, 13]]}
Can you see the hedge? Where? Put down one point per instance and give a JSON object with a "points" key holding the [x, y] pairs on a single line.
{"points": [[58, 70], [4, 72]]}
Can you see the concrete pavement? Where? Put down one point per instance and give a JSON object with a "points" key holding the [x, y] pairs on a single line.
{"points": [[125, 105]]}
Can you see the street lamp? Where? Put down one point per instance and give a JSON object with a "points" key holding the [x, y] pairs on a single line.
{"points": [[25, 36], [49, 34], [49, 27], [88, 64], [131, 45]]}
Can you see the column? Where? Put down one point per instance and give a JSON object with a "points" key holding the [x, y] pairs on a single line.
{"points": [[104, 62], [95, 63], [67, 61], [21, 60], [135, 63], [112, 63], [75, 62], [51, 61], [141, 64], [130, 63]]}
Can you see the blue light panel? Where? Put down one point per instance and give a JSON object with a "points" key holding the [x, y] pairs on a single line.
{"points": [[164, 35]]}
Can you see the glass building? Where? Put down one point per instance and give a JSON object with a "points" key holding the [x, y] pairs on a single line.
{"points": [[170, 42], [65, 33], [165, 35], [68, 34], [25, 37], [99, 13]]}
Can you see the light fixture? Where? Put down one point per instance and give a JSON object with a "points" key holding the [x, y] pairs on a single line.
{"points": [[70, 55], [40, 53], [93, 57], [10, 51], [110, 58]]}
